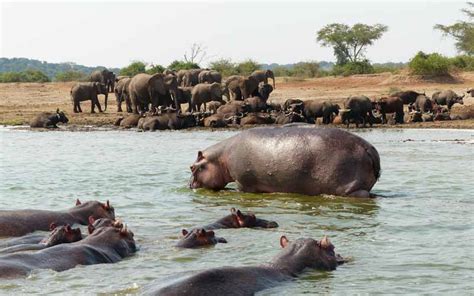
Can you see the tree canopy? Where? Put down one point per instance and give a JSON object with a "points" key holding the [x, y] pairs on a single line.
{"points": [[349, 43], [462, 31]]}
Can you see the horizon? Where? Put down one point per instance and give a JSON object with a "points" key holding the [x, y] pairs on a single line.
{"points": [[286, 33]]}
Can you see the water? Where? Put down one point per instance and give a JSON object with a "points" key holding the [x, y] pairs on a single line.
{"points": [[418, 238]]}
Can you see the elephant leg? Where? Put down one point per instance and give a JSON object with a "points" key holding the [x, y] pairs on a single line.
{"points": [[119, 106], [97, 103]]}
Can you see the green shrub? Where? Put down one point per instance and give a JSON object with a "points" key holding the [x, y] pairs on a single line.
{"points": [[432, 64], [70, 76], [352, 68], [280, 71], [306, 69], [25, 76], [155, 69], [463, 62], [224, 66], [246, 67], [133, 69], [182, 65]]}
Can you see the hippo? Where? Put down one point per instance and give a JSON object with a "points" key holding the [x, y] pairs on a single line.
{"points": [[199, 238], [295, 257], [49, 120], [102, 222], [105, 245], [294, 158], [237, 219], [21, 222], [58, 235]]}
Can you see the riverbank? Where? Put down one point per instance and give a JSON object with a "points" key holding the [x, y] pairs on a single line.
{"points": [[20, 102]]}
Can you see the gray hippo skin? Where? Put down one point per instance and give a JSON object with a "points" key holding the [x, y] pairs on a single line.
{"points": [[296, 158], [292, 260]]}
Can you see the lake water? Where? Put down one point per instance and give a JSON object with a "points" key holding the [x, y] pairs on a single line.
{"points": [[417, 238]]}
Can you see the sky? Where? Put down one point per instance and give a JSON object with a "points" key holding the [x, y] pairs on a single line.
{"points": [[113, 34]]}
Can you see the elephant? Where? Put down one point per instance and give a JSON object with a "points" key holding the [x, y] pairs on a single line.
{"points": [[203, 93], [184, 95], [145, 89], [87, 91], [171, 96], [191, 77], [447, 97], [209, 76], [423, 104], [169, 71], [106, 77], [122, 94], [314, 109], [180, 77], [408, 96], [241, 87], [49, 120], [357, 109], [263, 75], [391, 104]]}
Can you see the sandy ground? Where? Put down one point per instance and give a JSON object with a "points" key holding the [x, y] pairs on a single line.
{"points": [[20, 102]]}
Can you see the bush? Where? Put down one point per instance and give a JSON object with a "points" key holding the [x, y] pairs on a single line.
{"points": [[280, 71], [182, 65], [432, 64], [155, 69], [133, 69], [463, 62], [25, 76], [224, 66], [306, 69], [352, 68], [70, 76], [246, 68]]}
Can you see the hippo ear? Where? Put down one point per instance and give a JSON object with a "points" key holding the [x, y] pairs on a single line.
{"points": [[52, 226], [200, 156], [91, 220], [232, 211], [284, 241], [201, 232], [78, 202], [184, 232], [107, 205], [325, 243]]}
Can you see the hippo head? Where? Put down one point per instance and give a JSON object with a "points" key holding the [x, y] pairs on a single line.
{"points": [[95, 209], [62, 234], [207, 172], [308, 253], [198, 238], [102, 222], [240, 219], [120, 238]]}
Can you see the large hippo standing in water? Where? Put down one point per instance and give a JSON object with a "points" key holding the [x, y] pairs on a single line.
{"points": [[295, 158]]}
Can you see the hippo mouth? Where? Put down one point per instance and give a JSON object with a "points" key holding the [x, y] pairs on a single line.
{"points": [[340, 260], [193, 183]]}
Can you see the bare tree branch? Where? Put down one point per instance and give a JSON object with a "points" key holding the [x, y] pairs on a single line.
{"points": [[196, 54]]}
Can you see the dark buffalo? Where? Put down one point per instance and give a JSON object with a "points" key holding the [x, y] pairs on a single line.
{"points": [[390, 104], [423, 104], [408, 96], [49, 120], [358, 109], [314, 109], [257, 118], [447, 97]]}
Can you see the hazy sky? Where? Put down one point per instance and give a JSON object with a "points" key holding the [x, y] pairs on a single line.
{"points": [[114, 33]]}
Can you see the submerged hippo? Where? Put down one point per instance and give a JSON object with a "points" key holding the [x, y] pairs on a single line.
{"points": [[102, 222], [297, 158], [292, 260], [199, 238], [59, 235], [105, 245], [21, 222], [237, 219]]}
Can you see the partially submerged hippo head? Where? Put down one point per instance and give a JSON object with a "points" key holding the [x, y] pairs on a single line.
{"points": [[95, 209], [62, 234], [240, 219], [102, 222], [120, 238], [198, 238], [207, 171], [307, 253]]}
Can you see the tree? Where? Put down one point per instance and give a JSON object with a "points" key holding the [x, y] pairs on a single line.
{"points": [[196, 54], [462, 32], [224, 66], [432, 64], [155, 69], [182, 65], [349, 43], [308, 69], [70, 76], [133, 69], [247, 67]]}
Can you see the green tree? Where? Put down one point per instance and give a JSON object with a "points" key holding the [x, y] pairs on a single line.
{"points": [[182, 65], [349, 43], [462, 32], [155, 69], [133, 69], [247, 67], [306, 69], [224, 66], [25, 76], [70, 76], [432, 64]]}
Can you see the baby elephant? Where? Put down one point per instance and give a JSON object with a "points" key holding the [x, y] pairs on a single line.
{"points": [[49, 120], [199, 238], [88, 91]]}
